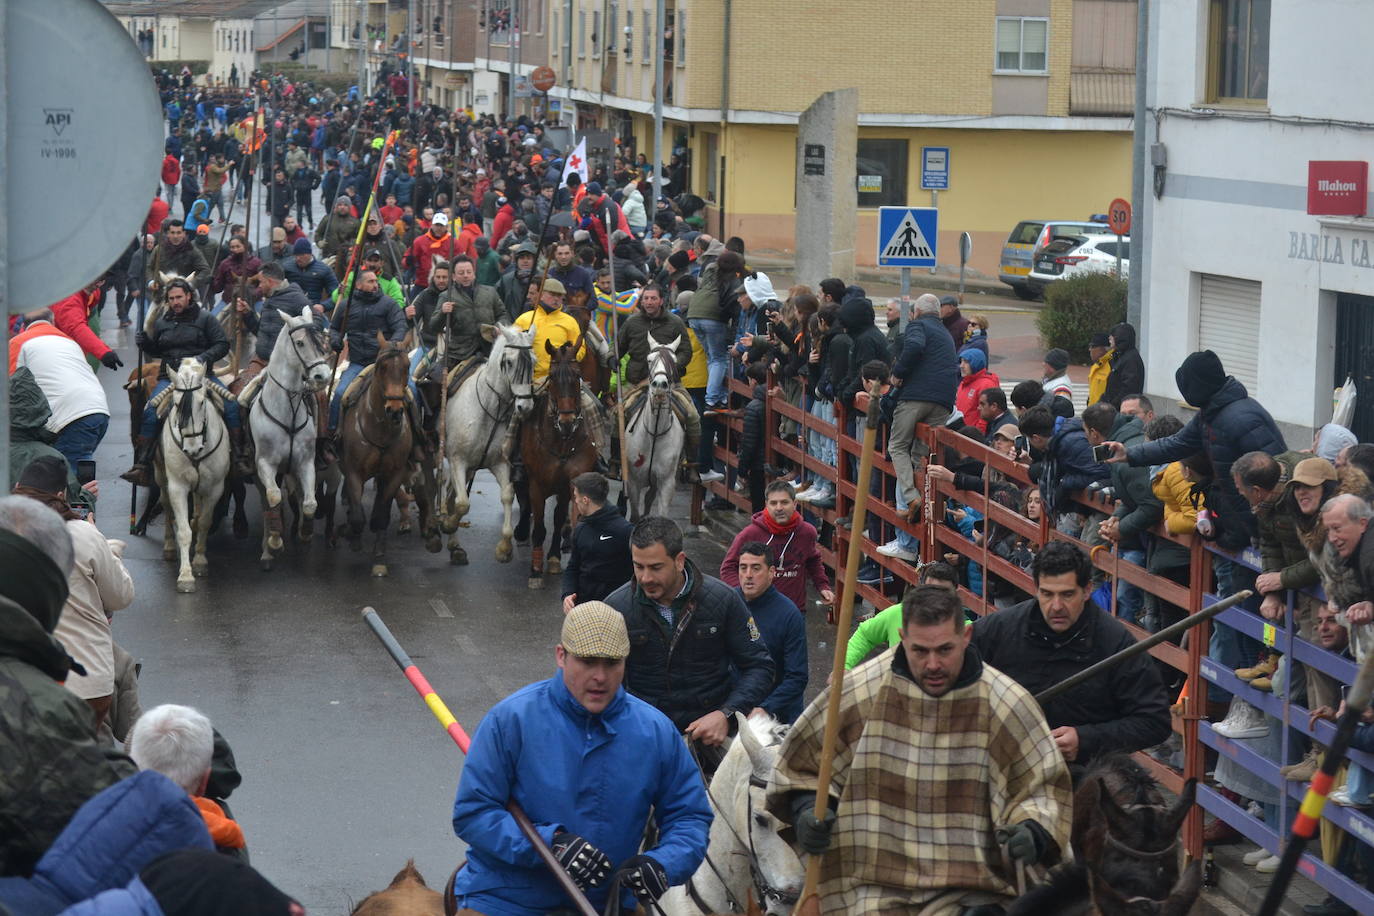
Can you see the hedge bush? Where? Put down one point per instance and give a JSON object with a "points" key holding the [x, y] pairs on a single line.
{"points": [[1079, 307]]}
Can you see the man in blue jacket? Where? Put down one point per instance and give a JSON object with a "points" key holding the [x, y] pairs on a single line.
{"points": [[1068, 464], [924, 381], [782, 627], [587, 762]]}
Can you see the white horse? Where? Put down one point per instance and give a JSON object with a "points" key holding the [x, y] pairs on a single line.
{"points": [[745, 856], [478, 422], [655, 437], [193, 466], [282, 421]]}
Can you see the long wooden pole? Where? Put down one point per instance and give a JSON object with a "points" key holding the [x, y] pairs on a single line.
{"points": [[809, 902], [615, 350], [460, 738]]}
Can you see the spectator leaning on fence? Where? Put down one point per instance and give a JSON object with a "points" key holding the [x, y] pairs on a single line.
{"points": [[1067, 466], [924, 381]]}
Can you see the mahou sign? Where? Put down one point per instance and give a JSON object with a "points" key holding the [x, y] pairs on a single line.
{"points": [[1337, 188]]}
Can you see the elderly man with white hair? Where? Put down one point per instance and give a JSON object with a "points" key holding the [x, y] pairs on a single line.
{"points": [[925, 378], [179, 742]]}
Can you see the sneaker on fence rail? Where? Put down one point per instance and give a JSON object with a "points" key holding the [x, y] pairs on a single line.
{"points": [[711, 476], [894, 549], [871, 573], [803, 494], [1343, 798], [1244, 721], [825, 501], [1331, 906], [1255, 856], [1303, 770]]}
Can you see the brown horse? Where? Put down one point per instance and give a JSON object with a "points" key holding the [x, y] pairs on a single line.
{"points": [[376, 442], [556, 447], [594, 372], [407, 895]]}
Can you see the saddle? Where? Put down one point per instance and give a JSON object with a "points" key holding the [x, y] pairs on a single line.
{"points": [[357, 388], [636, 398], [464, 371]]}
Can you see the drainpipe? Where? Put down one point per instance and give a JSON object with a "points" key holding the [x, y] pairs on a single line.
{"points": [[724, 111]]}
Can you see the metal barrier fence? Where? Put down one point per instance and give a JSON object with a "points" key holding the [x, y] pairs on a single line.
{"points": [[1199, 670]]}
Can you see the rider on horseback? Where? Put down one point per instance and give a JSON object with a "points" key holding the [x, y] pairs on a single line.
{"points": [[369, 313], [183, 330], [279, 295], [456, 311], [651, 326]]}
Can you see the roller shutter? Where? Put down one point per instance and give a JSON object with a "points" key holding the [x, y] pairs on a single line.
{"points": [[1229, 325]]}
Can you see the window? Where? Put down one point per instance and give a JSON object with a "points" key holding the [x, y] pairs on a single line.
{"points": [[1022, 45], [629, 34], [712, 165], [680, 33], [882, 168], [555, 46], [613, 28], [596, 33], [581, 34], [648, 56], [1239, 47]]}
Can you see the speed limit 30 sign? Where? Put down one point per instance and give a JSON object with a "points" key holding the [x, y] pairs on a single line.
{"points": [[1119, 216]]}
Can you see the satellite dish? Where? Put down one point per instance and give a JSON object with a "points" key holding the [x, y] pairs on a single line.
{"points": [[84, 142]]}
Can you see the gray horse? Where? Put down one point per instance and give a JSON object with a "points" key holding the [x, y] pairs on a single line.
{"points": [[654, 439]]}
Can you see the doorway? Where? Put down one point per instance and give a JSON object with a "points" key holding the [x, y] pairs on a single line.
{"points": [[1355, 357]]}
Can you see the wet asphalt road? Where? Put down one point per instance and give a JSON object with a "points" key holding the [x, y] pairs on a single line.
{"points": [[345, 772]]}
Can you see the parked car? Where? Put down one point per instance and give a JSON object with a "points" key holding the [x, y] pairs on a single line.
{"points": [[1026, 241], [1065, 257]]}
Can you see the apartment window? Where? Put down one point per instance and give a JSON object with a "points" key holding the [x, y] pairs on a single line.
{"points": [[680, 34], [581, 34], [649, 28], [613, 28], [556, 44], [712, 165], [882, 173], [1022, 44], [596, 33], [629, 34], [1239, 49]]}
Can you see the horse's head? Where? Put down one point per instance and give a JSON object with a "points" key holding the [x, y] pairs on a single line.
{"points": [[776, 869], [512, 352], [391, 378], [662, 367], [302, 344], [190, 407], [564, 388], [407, 893]]}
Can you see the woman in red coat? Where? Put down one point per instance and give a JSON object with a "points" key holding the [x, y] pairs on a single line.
{"points": [[973, 367]]}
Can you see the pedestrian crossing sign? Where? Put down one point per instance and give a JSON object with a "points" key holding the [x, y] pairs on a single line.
{"points": [[907, 236]]}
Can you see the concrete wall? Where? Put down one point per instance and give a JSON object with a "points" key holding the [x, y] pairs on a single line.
{"points": [[1234, 202]]}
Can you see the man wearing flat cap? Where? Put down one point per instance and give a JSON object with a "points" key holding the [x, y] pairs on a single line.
{"points": [[587, 762]]}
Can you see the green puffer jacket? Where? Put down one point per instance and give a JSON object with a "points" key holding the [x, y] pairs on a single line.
{"points": [[50, 762], [472, 307], [29, 435]]}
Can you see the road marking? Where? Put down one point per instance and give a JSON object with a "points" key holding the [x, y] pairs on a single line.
{"points": [[440, 608], [466, 644]]}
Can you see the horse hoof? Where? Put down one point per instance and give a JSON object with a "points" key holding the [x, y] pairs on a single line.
{"points": [[199, 568], [186, 586], [553, 566], [434, 543], [332, 541], [378, 570], [403, 528], [458, 557], [305, 535], [522, 541], [503, 553], [536, 582], [274, 542], [265, 564]]}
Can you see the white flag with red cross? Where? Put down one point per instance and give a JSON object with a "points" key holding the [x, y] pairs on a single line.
{"points": [[577, 162]]}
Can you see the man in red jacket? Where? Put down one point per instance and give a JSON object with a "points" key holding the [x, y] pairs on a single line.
{"points": [[793, 540], [171, 175], [157, 212], [437, 242], [71, 316]]}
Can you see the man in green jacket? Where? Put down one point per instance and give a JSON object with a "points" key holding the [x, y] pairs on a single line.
{"points": [[51, 763], [463, 310], [881, 630]]}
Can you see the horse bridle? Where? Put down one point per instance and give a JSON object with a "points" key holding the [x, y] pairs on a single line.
{"points": [[305, 367], [179, 436], [1121, 847]]}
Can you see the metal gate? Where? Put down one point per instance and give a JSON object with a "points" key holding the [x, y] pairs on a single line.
{"points": [[1355, 357]]}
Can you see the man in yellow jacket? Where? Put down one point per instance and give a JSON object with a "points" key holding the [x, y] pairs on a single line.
{"points": [[557, 327], [1100, 352]]}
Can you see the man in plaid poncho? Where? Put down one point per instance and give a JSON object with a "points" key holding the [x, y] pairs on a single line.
{"points": [[945, 778]]}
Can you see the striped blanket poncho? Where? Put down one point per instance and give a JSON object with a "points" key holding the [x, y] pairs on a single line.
{"points": [[923, 785]]}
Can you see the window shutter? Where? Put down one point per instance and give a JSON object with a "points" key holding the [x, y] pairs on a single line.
{"points": [[1228, 324]]}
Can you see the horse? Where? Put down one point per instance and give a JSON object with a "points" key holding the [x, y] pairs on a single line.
{"points": [[747, 859], [478, 421], [376, 441], [654, 438], [282, 421], [1125, 836], [556, 447], [406, 895], [193, 466], [597, 357]]}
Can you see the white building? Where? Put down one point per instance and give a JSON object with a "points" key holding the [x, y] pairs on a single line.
{"points": [[1244, 254]]}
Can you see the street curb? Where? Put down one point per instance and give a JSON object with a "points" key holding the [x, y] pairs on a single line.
{"points": [[946, 279]]}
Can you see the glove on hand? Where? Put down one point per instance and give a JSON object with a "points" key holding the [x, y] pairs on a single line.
{"points": [[1022, 843], [645, 877], [584, 863], [111, 360], [813, 835]]}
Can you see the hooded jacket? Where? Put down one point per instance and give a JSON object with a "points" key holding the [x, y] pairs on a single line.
{"points": [[108, 842], [1175, 494], [974, 384], [1068, 465], [711, 659], [194, 332], [30, 437], [1281, 546], [72, 317], [1122, 709], [798, 560], [1128, 369], [595, 775], [957, 325], [867, 343], [1228, 424], [927, 368], [50, 761], [267, 324], [1138, 509], [600, 559]]}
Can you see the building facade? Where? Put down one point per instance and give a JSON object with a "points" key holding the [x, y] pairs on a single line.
{"points": [[1252, 251]]}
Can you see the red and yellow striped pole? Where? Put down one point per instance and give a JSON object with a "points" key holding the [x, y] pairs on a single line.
{"points": [[460, 738]]}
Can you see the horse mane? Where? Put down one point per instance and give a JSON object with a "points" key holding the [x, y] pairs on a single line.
{"points": [[767, 730], [565, 369], [1122, 776]]}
